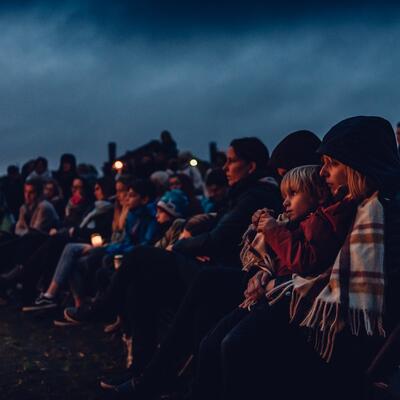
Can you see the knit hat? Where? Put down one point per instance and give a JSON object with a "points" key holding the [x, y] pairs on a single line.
{"points": [[296, 149], [368, 145], [174, 202]]}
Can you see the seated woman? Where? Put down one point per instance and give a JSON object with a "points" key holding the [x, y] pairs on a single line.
{"points": [[201, 308], [168, 275], [340, 302]]}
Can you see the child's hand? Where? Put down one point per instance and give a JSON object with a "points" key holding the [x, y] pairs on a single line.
{"points": [[266, 222], [256, 216]]}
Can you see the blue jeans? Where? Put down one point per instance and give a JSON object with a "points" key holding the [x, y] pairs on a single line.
{"points": [[68, 261]]}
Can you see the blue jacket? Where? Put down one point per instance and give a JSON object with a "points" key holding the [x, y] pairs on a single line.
{"points": [[140, 228]]}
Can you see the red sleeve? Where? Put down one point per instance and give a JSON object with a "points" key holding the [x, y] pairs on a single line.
{"points": [[314, 245]]}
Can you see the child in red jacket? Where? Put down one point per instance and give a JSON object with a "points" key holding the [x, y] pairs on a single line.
{"points": [[310, 241]]}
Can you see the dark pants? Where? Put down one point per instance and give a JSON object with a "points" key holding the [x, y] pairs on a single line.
{"points": [[148, 280], [234, 355], [17, 250], [41, 264], [260, 355], [84, 277], [214, 292]]}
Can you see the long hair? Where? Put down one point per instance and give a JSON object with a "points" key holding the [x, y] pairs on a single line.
{"points": [[359, 186]]}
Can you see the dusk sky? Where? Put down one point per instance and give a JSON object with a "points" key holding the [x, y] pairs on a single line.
{"points": [[75, 75]]}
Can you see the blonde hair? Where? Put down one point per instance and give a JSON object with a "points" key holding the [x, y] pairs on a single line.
{"points": [[305, 179], [358, 185]]}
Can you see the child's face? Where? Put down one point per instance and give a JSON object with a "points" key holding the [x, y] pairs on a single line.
{"points": [[298, 204], [135, 200], [162, 217], [334, 173]]}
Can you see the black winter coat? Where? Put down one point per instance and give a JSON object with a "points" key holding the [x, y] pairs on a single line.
{"points": [[222, 244]]}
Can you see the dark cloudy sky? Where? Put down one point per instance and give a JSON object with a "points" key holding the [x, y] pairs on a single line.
{"points": [[75, 75]]}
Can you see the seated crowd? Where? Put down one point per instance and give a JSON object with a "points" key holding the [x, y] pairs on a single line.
{"points": [[280, 273]]}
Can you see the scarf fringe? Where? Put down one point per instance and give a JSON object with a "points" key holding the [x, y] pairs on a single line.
{"points": [[325, 320], [276, 294]]}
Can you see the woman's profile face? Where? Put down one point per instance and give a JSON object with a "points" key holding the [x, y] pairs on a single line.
{"points": [[235, 168], [334, 173]]}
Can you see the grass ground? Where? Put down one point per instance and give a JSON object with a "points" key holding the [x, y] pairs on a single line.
{"points": [[41, 361]]}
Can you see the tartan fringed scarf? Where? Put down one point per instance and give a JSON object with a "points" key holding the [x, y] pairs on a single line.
{"points": [[351, 292]]}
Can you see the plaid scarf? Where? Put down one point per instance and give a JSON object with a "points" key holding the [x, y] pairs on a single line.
{"points": [[351, 293], [254, 252]]}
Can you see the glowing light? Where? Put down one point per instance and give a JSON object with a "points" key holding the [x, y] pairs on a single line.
{"points": [[193, 162], [118, 260], [118, 165], [97, 240]]}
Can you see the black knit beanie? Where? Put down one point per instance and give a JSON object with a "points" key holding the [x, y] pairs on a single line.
{"points": [[296, 149], [368, 145]]}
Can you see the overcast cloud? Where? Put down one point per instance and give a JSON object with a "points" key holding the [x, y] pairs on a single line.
{"points": [[76, 77]]}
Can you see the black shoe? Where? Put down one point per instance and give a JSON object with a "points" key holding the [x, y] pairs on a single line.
{"points": [[41, 303], [79, 315]]}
